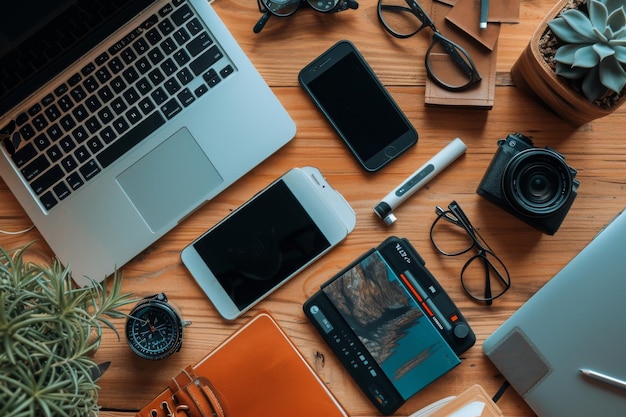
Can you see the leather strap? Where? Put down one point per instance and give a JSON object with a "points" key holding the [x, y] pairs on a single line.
{"points": [[191, 396], [195, 395]]}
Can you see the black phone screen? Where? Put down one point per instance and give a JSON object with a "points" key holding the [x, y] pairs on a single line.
{"points": [[358, 107], [261, 245]]}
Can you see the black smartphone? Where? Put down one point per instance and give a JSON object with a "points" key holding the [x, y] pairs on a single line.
{"points": [[350, 95]]}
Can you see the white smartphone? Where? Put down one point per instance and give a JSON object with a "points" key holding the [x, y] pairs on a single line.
{"points": [[269, 239]]}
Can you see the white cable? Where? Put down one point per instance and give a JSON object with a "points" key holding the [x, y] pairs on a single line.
{"points": [[19, 232]]}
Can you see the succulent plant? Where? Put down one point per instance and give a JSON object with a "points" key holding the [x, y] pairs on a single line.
{"points": [[593, 47]]}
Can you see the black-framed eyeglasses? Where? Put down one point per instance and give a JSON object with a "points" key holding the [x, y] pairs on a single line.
{"points": [[484, 276], [447, 63], [284, 8]]}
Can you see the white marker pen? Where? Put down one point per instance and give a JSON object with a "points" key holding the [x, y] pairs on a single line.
{"points": [[418, 179]]}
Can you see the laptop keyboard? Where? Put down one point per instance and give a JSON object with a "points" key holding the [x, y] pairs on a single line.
{"points": [[98, 114]]}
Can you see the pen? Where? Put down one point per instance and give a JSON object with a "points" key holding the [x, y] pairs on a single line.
{"points": [[484, 12], [418, 179], [604, 378]]}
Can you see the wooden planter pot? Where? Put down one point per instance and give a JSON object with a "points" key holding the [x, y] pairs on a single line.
{"points": [[533, 75]]}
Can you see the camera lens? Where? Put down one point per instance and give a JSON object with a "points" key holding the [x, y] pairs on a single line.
{"points": [[537, 182]]}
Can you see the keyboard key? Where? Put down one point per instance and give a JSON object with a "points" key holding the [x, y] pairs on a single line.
{"points": [[155, 55], [48, 200], [166, 27], [69, 163], [205, 60], [194, 26], [105, 115], [120, 125], [184, 76], [131, 95], [41, 142], [21, 119], [181, 15], [185, 97], [118, 106], [74, 180], [171, 85], [103, 75], [61, 190], [116, 65], [53, 113], [80, 113], [141, 46], [54, 132], [68, 123], [159, 96], [78, 93], [65, 103], [80, 134], [36, 167], [27, 132], [118, 85], [156, 76], [93, 103], [47, 179], [67, 144], [146, 105], [168, 46], [40, 122], [54, 153], [91, 84], [181, 36], [105, 94], [199, 43], [82, 154], [226, 71], [93, 125], [130, 139], [74, 79], [89, 170], [171, 108], [153, 36], [24, 154], [34, 109], [94, 144], [130, 75], [108, 135]]}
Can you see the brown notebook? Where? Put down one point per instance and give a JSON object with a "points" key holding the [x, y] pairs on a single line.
{"points": [[258, 372]]}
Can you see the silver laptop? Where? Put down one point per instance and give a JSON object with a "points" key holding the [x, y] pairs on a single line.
{"points": [[573, 323], [118, 118]]}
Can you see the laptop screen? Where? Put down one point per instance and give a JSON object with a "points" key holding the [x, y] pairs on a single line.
{"points": [[40, 38]]}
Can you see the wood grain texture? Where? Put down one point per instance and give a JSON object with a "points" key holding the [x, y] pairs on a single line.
{"points": [[597, 150]]}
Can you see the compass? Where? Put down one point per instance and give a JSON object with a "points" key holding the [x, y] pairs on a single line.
{"points": [[154, 329]]}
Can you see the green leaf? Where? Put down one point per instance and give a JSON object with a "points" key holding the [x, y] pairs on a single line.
{"points": [[603, 51], [616, 20], [612, 75], [566, 53], [591, 85], [598, 15], [573, 27]]}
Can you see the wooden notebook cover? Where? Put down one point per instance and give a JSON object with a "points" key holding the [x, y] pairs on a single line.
{"points": [[258, 372]]}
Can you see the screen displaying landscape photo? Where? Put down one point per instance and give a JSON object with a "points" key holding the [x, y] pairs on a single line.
{"points": [[390, 324]]}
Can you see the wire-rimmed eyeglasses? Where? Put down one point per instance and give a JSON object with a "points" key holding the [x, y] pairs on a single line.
{"points": [[284, 8], [447, 63], [483, 277]]}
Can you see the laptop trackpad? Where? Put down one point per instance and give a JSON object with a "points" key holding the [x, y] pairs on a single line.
{"points": [[174, 177]]}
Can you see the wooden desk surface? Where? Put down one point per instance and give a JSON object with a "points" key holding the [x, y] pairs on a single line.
{"points": [[280, 51]]}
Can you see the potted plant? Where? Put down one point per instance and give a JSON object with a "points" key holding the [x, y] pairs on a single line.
{"points": [[575, 61], [49, 330]]}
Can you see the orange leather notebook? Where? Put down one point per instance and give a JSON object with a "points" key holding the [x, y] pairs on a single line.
{"points": [[258, 372]]}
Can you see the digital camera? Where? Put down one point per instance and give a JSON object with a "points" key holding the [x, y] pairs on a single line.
{"points": [[533, 184]]}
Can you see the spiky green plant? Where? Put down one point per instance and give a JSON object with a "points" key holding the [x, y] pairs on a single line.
{"points": [[593, 47], [48, 330]]}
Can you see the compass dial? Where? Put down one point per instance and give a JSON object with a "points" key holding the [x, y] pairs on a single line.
{"points": [[154, 330]]}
